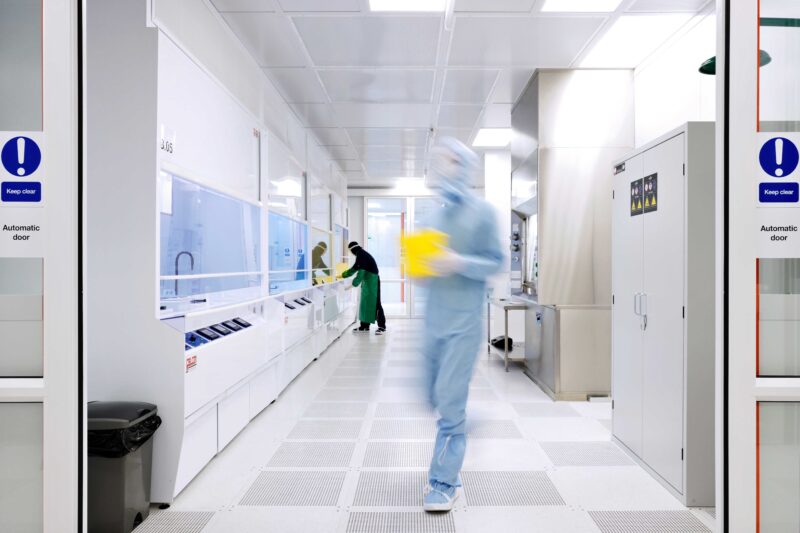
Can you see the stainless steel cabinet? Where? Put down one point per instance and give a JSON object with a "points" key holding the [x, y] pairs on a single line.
{"points": [[663, 309]]}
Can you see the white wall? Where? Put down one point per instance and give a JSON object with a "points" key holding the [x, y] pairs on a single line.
{"points": [[355, 205], [202, 34], [669, 90], [498, 194]]}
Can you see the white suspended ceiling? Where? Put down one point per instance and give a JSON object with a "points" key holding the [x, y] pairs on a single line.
{"points": [[377, 89]]}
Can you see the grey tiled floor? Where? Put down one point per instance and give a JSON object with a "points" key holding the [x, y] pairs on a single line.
{"points": [[531, 465]]}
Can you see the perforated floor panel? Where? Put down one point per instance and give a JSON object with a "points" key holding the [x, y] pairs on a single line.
{"points": [[175, 522], [482, 395], [403, 382], [648, 521], [403, 429], [407, 362], [390, 489], [545, 410], [492, 429], [345, 395], [510, 489], [336, 410], [404, 410], [585, 454], [313, 455], [357, 372], [360, 363], [398, 454], [326, 429], [294, 489], [417, 522], [352, 382]]}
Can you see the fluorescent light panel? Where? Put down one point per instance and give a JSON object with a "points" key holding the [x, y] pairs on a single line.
{"points": [[632, 38], [581, 6], [408, 5], [492, 138]]}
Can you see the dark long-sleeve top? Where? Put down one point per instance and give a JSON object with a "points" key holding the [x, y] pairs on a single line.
{"points": [[365, 261]]}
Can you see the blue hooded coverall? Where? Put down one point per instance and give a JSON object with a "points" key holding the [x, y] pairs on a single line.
{"points": [[454, 324]]}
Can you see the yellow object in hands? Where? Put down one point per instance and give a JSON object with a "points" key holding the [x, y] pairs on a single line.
{"points": [[340, 269], [419, 249]]}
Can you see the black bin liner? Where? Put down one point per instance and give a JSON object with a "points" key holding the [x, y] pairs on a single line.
{"points": [[500, 342], [119, 428]]}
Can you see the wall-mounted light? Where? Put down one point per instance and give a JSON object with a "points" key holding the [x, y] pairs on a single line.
{"points": [[493, 138], [420, 6]]}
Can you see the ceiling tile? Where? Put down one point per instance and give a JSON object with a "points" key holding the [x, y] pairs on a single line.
{"points": [[388, 136], [315, 115], [342, 152], [330, 136], [521, 41], [510, 85], [496, 116], [463, 135], [459, 116], [378, 85], [384, 153], [269, 38], [348, 165], [396, 168], [298, 85], [379, 41], [245, 5], [667, 6], [320, 5], [468, 86], [354, 115], [495, 6]]}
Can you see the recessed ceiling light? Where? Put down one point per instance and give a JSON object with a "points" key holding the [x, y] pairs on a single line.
{"points": [[632, 38], [581, 6], [408, 5], [492, 138]]}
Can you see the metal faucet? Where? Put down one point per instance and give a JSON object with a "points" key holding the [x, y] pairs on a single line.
{"points": [[178, 258]]}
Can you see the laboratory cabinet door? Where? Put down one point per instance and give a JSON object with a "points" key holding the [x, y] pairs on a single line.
{"points": [[626, 325], [664, 310]]}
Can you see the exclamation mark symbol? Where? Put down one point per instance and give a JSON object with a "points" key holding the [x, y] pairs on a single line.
{"points": [[21, 156], [779, 157]]}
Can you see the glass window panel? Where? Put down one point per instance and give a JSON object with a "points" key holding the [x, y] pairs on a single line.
{"points": [[321, 257], [204, 232], [424, 208], [394, 298], [779, 77], [21, 65], [319, 206], [778, 317], [288, 241], [386, 223], [287, 186], [21, 326], [779, 466], [21, 478]]}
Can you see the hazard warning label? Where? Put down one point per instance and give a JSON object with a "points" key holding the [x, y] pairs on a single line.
{"points": [[637, 205], [650, 193], [644, 195]]}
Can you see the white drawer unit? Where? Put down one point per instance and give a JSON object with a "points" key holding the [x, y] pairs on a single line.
{"points": [[663, 309]]}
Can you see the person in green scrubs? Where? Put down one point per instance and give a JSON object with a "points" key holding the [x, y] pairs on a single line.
{"points": [[367, 275]]}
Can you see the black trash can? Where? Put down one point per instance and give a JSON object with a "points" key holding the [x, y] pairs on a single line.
{"points": [[120, 461]]}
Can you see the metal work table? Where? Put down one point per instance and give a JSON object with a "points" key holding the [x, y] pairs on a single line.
{"points": [[507, 305]]}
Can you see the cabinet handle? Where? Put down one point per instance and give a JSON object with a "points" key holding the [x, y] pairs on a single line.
{"points": [[636, 304], [643, 310]]}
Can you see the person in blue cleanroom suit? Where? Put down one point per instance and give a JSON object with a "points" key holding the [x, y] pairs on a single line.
{"points": [[454, 324]]}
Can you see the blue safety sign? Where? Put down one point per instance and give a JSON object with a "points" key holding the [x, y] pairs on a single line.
{"points": [[779, 157], [15, 191], [778, 193], [21, 156]]}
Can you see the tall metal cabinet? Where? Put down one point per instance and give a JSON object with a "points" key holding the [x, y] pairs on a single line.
{"points": [[663, 309]]}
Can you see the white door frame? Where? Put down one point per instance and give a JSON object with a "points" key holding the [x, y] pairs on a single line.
{"points": [[60, 389]]}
